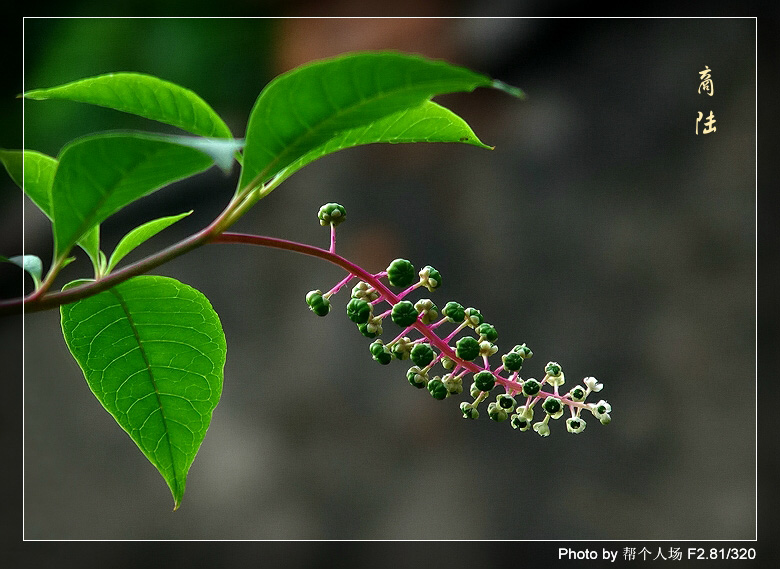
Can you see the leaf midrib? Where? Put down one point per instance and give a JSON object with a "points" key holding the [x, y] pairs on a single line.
{"points": [[153, 382]]}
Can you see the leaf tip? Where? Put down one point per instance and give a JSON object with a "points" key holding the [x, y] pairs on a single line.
{"points": [[514, 91]]}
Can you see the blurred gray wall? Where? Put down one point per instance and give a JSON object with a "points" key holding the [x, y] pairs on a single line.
{"points": [[602, 231]]}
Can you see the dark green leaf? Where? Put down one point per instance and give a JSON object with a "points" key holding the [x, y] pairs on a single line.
{"points": [[29, 263], [142, 95], [99, 175], [152, 351], [140, 234], [302, 109], [428, 122]]}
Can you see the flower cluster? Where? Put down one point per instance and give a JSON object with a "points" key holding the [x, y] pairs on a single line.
{"points": [[463, 353]]}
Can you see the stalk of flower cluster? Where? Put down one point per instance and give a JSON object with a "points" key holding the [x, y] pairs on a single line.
{"points": [[459, 360]]}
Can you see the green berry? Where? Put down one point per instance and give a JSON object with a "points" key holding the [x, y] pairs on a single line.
{"points": [[506, 402], [553, 368], [422, 355], [531, 387], [364, 330], [318, 303], [520, 422], [575, 425], [416, 378], [523, 350], [380, 353], [484, 380], [404, 314], [577, 394], [437, 389], [400, 273], [512, 361], [487, 332], [467, 348], [474, 317], [552, 405], [358, 310], [468, 410], [430, 278], [496, 413], [332, 214], [454, 312]]}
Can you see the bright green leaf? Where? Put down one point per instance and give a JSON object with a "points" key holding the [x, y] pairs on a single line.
{"points": [[29, 263], [99, 175], [304, 108], [33, 172], [153, 352], [428, 122], [142, 95], [140, 234], [38, 173]]}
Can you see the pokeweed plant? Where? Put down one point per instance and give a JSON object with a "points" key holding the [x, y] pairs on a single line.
{"points": [[152, 349]]}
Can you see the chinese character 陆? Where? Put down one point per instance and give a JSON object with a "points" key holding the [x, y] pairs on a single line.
{"points": [[706, 81], [708, 124]]}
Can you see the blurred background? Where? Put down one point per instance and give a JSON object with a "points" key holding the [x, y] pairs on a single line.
{"points": [[602, 231]]}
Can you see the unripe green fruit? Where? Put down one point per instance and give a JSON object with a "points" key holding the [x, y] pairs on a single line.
{"points": [[332, 214], [401, 273], [484, 380], [422, 355], [512, 361], [454, 312], [467, 348], [404, 314], [531, 387], [358, 310], [487, 332], [437, 388], [317, 303]]}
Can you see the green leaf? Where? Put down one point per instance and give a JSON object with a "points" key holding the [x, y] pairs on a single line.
{"points": [[140, 234], [33, 172], [142, 95], [35, 177], [99, 175], [304, 108], [153, 352], [428, 122], [29, 263]]}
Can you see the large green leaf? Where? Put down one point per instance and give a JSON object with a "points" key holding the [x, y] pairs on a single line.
{"points": [[142, 95], [304, 108], [428, 122], [99, 175], [139, 235], [153, 352], [34, 172]]}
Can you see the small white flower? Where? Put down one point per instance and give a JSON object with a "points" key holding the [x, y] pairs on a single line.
{"points": [[592, 384], [600, 409], [542, 428], [575, 425]]}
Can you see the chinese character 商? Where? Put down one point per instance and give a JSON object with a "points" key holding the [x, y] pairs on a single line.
{"points": [[706, 81]]}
